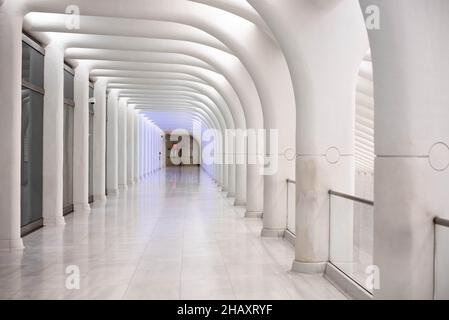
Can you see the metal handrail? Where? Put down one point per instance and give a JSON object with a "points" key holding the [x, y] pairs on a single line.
{"points": [[351, 197], [291, 181], [441, 222]]}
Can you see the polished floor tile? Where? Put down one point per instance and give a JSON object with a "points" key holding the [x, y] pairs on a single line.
{"points": [[173, 235]]}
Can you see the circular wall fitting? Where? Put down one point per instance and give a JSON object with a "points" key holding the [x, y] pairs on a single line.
{"points": [[289, 154], [333, 155], [439, 156]]}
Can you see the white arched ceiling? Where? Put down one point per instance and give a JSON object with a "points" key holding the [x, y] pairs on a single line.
{"points": [[195, 107], [204, 93], [215, 80], [168, 116], [178, 98], [267, 65], [231, 68], [208, 91], [46, 23], [247, 39], [241, 9], [141, 50]]}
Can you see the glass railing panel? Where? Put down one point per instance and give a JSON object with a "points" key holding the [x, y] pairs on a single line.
{"points": [[291, 206], [351, 238], [441, 262]]}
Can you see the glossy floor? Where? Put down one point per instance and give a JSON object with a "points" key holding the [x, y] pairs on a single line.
{"points": [[171, 236]]}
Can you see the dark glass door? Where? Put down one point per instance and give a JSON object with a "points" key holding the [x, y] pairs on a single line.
{"points": [[91, 156], [32, 136], [69, 113], [31, 162], [68, 159], [91, 146]]}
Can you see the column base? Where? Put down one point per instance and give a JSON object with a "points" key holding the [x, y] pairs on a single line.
{"points": [[230, 195], [308, 267], [130, 183], [123, 186], [54, 221], [272, 233], [113, 192], [100, 198], [11, 245], [239, 203], [81, 208], [253, 214]]}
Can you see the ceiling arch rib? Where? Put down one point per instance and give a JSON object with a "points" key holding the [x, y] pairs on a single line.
{"points": [[205, 90], [196, 106], [217, 81], [175, 110], [133, 56], [223, 94], [46, 23], [172, 114], [114, 74], [176, 76], [241, 36], [202, 95], [241, 9], [236, 108], [228, 65], [69, 56]]}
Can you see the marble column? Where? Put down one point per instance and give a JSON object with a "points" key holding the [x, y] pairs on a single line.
{"points": [[81, 141], [136, 146], [53, 136], [130, 145], [99, 179], [411, 77], [10, 129], [122, 145], [112, 143]]}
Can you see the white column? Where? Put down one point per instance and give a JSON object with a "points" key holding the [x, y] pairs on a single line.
{"points": [[112, 142], [151, 154], [229, 159], [255, 182], [160, 149], [145, 154], [164, 150], [53, 136], [136, 146], [142, 146], [158, 146], [99, 179], [148, 154], [240, 171], [411, 77], [10, 129], [81, 141], [130, 145], [154, 149], [122, 154], [325, 87]]}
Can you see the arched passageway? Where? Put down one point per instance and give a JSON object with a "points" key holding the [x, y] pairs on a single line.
{"points": [[318, 131]]}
